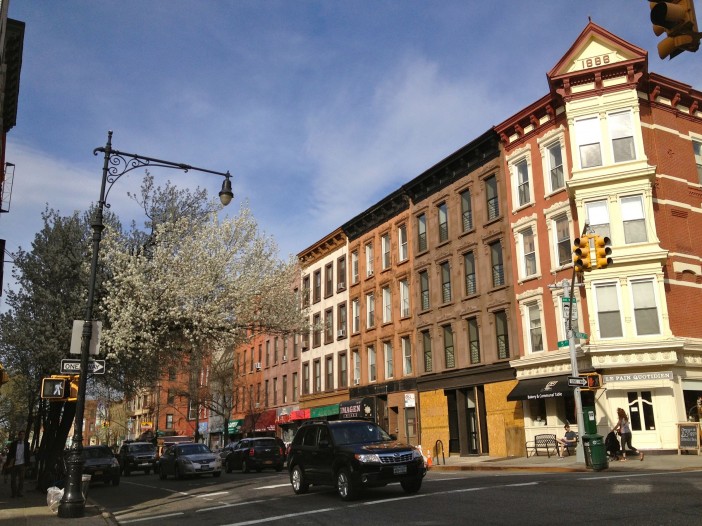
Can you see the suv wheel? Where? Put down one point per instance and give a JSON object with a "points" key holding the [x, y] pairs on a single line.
{"points": [[245, 466], [297, 479], [411, 486], [345, 486], [230, 467]]}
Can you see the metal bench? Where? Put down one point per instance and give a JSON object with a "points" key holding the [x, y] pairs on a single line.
{"points": [[541, 443]]}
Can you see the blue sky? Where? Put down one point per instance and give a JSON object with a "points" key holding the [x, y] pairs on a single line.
{"points": [[318, 108]]}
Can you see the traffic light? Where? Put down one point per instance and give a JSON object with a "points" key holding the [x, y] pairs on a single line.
{"points": [[581, 254], [72, 388], [603, 251], [594, 381], [54, 388], [677, 19]]}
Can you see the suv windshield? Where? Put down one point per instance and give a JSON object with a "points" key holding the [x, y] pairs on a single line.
{"points": [[141, 448], [358, 433], [193, 449]]}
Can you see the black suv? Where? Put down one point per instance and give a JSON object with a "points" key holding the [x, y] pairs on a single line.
{"points": [[256, 453], [137, 456], [351, 455]]}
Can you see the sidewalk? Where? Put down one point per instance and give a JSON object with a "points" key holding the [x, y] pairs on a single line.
{"points": [[653, 461], [32, 510]]}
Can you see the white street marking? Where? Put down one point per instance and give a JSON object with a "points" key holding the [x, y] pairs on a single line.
{"points": [[152, 518], [212, 508]]}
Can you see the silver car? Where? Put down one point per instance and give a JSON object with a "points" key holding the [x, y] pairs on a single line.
{"points": [[182, 460]]}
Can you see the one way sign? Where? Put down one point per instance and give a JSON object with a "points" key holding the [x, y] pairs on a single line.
{"points": [[73, 366]]}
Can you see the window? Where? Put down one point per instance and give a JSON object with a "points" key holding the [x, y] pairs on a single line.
{"points": [[404, 299], [521, 173], [372, 374], [466, 211], [356, 313], [562, 233], [443, 222], [341, 273], [354, 266], [529, 252], [421, 232], [170, 396], [275, 350], [268, 353], [621, 129], [608, 315], [316, 331], [169, 421], [640, 411], [342, 322], [501, 335], [385, 247], [305, 378], [449, 355], [536, 343], [387, 305], [697, 149], [643, 295], [498, 271], [469, 270], [317, 376], [329, 370], [369, 259], [424, 289], [389, 364], [356, 367], [305, 291], [633, 219], [403, 253], [370, 310], [317, 292], [493, 205], [598, 217], [275, 391], [285, 389], [426, 349], [328, 325], [473, 340], [296, 388], [587, 132], [554, 159], [445, 282], [328, 280], [343, 370], [406, 355]]}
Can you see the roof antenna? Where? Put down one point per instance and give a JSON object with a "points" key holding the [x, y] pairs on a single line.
{"points": [[589, 19]]}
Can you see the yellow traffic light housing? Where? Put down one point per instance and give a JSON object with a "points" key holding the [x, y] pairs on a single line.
{"points": [[73, 389], [603, 251], [581, 254], [677, 19], [54, 388], [594, 381]]}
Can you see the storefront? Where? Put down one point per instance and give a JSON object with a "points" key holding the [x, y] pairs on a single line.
{"points": [[363, 408]]}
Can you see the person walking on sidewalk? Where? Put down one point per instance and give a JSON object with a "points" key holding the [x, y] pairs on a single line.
{"points": [[623, 429], [17, 461]]}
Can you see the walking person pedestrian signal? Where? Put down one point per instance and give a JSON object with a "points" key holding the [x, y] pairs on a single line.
{"points": [[53, 388]]}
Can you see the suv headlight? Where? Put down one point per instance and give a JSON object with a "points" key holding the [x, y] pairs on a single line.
{"points": [[368, 457], [416, 453]]}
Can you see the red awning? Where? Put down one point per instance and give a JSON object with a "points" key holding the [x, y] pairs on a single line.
{"points": [[300, 414], [265, 421]]}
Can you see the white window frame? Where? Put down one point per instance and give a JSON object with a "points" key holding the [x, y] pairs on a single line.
{"points": [[528, 254], [372, 368], [534, 325], [632, 210], [385, 247], [522, 182], [406, 343], [595, 288], [389, 364], [466, 198], [697, 151], [598, 211], [354, 266], [550, 167], [404, 298], [356, 356], [634, 296], [370, 310], [402, 247], [621, 130], [588, 132], [442, 216], [356, 315], [387, 304], [369, 259], [557, 242]]}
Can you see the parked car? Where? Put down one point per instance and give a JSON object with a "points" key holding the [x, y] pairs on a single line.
{"points": [[181, 460], [137, 456], [224, 452], [256, 453], [101, 464], [352, 455]]}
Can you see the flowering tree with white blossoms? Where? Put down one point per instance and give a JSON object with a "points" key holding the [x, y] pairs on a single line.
{"points": [[203, 287]]}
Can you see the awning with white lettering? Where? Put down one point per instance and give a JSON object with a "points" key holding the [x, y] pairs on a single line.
{"points": [[537, 388]]}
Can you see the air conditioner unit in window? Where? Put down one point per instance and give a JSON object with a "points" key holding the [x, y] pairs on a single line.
{"points": [[285, 357], [369, 273], [341, 286], [257, 366], [356, 381], [341, 333]]}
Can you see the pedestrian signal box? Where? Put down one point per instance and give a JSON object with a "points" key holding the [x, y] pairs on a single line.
{"points": [[54, 388], [594, 381]]}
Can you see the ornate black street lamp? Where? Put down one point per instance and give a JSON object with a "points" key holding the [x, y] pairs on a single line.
{"points": [[115, 165]]}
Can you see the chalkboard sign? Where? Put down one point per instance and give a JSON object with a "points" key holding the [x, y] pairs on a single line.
{"points": [[689, 436]]}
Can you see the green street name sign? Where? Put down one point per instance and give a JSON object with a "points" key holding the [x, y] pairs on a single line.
{"points": [[581, 335], [563, 343]]}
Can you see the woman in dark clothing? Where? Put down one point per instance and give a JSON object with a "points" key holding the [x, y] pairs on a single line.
{"points": [[624, 430]]}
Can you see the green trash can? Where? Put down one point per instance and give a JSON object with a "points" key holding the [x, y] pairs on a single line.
{"points": [[595, 453]]}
